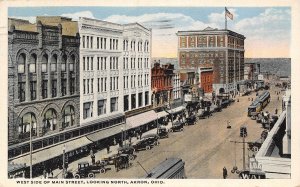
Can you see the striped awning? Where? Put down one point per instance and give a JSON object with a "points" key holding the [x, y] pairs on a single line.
{"points": [[141, 119]]}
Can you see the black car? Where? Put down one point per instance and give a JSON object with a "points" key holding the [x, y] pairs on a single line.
{"points": [[151, 138], [129, 150], [191, 120], [145, 143], [177, 126], [162, 132], [204, 114], [86, 169]]}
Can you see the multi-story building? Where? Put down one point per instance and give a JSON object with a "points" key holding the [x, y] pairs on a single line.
{"points": [[162, 85], [115, 75], [251, 71], [176, 85], [223, 50], [43, 92]]}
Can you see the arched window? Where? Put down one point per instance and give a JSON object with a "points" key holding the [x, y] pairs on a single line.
{"points": [[63, 63], [44, 63], [49, 121], [21, 63], [32, 63], [27, 120], [68, 117], [72, 62], [54, 63]]}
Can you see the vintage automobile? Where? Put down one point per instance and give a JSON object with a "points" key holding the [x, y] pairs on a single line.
{"points": [[243, 131], [147, 142], [204, 114], [255, 146], [177, 126], [151, 138], [162, 132], [191, 120], [122, 162], [85, 169], [126, 149], [110, 160]]}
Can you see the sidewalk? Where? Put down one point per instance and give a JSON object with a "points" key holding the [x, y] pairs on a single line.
{"points": [[57, 173]]}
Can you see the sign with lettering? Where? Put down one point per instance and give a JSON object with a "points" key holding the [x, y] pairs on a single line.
{"points": [[252, 175]]}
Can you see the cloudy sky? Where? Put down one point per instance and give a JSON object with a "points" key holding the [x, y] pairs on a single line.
{"points": [[267, 29]]}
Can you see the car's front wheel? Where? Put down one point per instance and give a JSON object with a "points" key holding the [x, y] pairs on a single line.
{"points": [[77, 176], [102, 170], [148, 147]]}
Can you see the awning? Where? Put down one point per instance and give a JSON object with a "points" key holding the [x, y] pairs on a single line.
{"points": [[105, 133], [12, 167], [141, 119], [51, 152], [161, 114], [175, 110]]}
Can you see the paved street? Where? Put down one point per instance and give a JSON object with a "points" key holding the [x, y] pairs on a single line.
{"points": [[205, 147]]}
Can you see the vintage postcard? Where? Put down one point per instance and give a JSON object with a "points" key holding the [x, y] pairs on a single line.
{"points": [[142, 93]]}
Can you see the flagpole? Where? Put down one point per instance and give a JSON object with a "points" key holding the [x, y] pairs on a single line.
{"points": [[225, 20]]}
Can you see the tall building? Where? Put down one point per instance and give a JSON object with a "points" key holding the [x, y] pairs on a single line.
{"points": [[223, 50], [43, 92], [176, 86]]}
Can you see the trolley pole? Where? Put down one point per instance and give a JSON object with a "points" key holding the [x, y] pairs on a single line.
{"points": [[30, 144]]}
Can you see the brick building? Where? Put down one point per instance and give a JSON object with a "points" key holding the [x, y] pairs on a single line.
{"points": [[223, 50], [43, 79], [161, 83]]}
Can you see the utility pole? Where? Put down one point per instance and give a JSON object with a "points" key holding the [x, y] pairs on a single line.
{"points": [[244, 151], [64, 161], [30, 144]]}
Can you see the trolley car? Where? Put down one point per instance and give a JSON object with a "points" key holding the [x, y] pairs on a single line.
{"points": [[259, 104], [171, 168]]}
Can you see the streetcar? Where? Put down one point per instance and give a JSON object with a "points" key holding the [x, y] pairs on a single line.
{"points": [[259, 103], [171, 168]]}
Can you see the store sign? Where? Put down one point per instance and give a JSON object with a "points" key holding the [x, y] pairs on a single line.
{"points": [[252, 175], [187, 97]]}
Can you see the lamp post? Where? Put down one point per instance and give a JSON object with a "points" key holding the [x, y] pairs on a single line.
{"points": [[30, 144], [64, 161]]}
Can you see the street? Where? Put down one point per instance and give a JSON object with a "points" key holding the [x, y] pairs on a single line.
{"points": [[205, 147]]}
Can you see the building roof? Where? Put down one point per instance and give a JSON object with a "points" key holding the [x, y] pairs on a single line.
{"points": [[210, 31]]}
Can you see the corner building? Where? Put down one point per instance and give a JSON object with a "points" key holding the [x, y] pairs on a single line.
{"points": [[223, 50], [43, 92]]}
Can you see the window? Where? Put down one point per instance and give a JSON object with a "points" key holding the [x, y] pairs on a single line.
{"points": [[33, 90], [146, 98], [32, 65], [87, 41], [87, 110], [140, 99], [133, 102], [63, 63], [49, 121], [88, 63], [26, 122], [21, 90], [63, 87], [21, 63], [44, 63], [54, 88], [97, 42], [113, 104], [101, 107], [83, 63], [92, 62], [105, 81], [54, 63], [83, 86], [83, 41], [68, 117], [92, 42], [72, 86], [98, 85], [92, 85], [110, 83], [45, 89], [126, 102], [88, 86]]}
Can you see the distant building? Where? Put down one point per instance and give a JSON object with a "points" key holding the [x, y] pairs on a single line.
{"points": [[251, 71], [223, 50], [274, 156], [162, 83]]}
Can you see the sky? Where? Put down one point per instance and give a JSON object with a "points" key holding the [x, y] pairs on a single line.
{"points": [[267, 29]]}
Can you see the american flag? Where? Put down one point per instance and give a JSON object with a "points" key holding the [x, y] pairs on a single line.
{"points": [[228, 14]]}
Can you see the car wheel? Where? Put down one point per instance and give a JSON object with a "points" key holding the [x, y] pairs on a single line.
{"points": [[148, 147], [181, 129], [171, 130], [91, 175], [102, 170], [77, 176], [131, 157], [232, 171], [255, 149]]}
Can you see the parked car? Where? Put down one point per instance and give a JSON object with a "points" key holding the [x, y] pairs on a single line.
{"points": [[110, 160], [122, 161], [145, 143], [162, 132], [86, 169], [255, 146], [204, 114], [243, 131], [177, 126], [151, 138], [127, 150], [191, 120]]}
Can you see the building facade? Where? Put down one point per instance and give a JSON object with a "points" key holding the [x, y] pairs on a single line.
{"points": [[43, 79], [162, 83], [223, 50], [176, 85]]}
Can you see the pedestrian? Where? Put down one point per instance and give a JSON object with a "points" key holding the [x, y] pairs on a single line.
{"points": [[107, 148], [276, 110], [141, 134], [252, 99], [44, 173], [224, 172], [129, 140]]}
